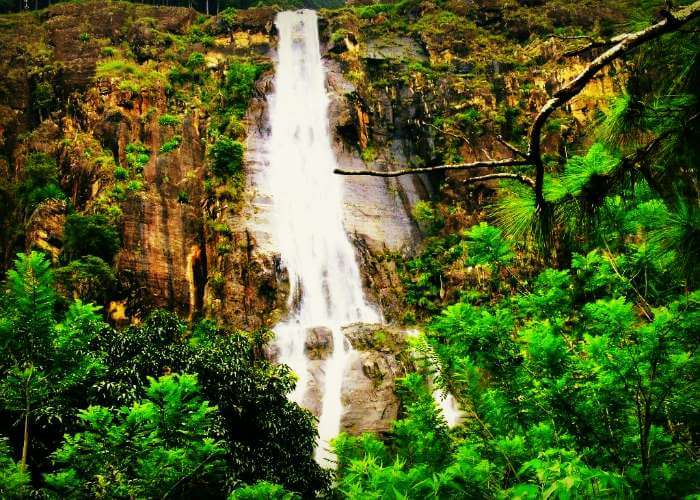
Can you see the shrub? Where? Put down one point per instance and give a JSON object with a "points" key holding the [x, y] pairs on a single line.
{"points": [[262, 489], [428, 217], [172, 432], [90, 235], [368, 155], [487, 246], [134, 185], [227, 157], [90, 278], [169, 120], [137, 156], [40, 181], [240, 81], [196, 60], [43, 95], [121, 174], [171, 145]]}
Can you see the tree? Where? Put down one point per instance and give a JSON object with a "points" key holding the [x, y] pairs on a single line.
{"points": [[268, 437], [227, 157], [162, 446], [42, 361], [90, 235]]}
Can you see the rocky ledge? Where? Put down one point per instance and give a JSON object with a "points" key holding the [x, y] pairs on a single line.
{"points": [[377, 358]]}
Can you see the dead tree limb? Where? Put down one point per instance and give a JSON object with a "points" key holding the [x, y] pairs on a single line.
{"points": [[509, 162], [619, 46], [512, 148]]}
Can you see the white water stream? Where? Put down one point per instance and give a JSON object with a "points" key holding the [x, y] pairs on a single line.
{"points": [[307, 217]]}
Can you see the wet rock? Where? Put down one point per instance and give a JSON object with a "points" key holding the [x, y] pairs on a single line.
{"points": [[377, 360], [162, 252], [319, 343]]}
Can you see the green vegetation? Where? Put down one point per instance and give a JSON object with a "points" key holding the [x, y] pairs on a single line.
{"points": [[227, 157], [169, 120], [570, 388], [40, 181], [428, 217], [171, 431], [566, 329], [90, 235], [570, 338], [171, 145], [198, 406], [132, 76], [89, 278], [137, 156]]}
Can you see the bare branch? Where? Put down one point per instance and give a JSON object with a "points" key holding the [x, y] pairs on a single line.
{"points": [[511, 148], [502, 175], [572, 37], [461, 137], [509, 162]]}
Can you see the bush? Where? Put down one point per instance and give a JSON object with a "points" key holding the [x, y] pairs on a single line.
{"points": [[164, 444], [487, 246], [134, 185], [240, 81], [169, 120], [121, 174], [40, 181], [90, 235], [89, 278], [196, 60], [137, 156], [428, 217], [262, 489], [171, 145], [227, 157]]}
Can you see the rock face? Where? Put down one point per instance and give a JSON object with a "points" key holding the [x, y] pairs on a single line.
{"points": [[255, 285], [377, 210], [45, 228], [379, 357], [318, 348]]}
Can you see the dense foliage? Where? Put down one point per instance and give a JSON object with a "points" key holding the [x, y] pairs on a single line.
{"points": [[579, 387], [133, 426], [567, 333], [578, 379]]}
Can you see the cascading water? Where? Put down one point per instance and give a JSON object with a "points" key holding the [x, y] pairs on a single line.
{"points": [[307, 217]]}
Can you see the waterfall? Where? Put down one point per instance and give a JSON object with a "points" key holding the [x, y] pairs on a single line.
{"points": [[307, 217]]}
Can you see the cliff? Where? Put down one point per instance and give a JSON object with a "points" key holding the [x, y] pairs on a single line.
{"points": [[152, 121]]}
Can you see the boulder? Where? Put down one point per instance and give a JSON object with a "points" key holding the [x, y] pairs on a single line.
{"points": [[377, 359], [319, 343]]}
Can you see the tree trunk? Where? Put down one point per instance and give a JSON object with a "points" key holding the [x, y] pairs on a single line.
{"points": [[25, 440], [25, 443]]}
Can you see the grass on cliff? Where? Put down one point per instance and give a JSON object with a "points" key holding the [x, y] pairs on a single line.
{"points": [[132, 76]]}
